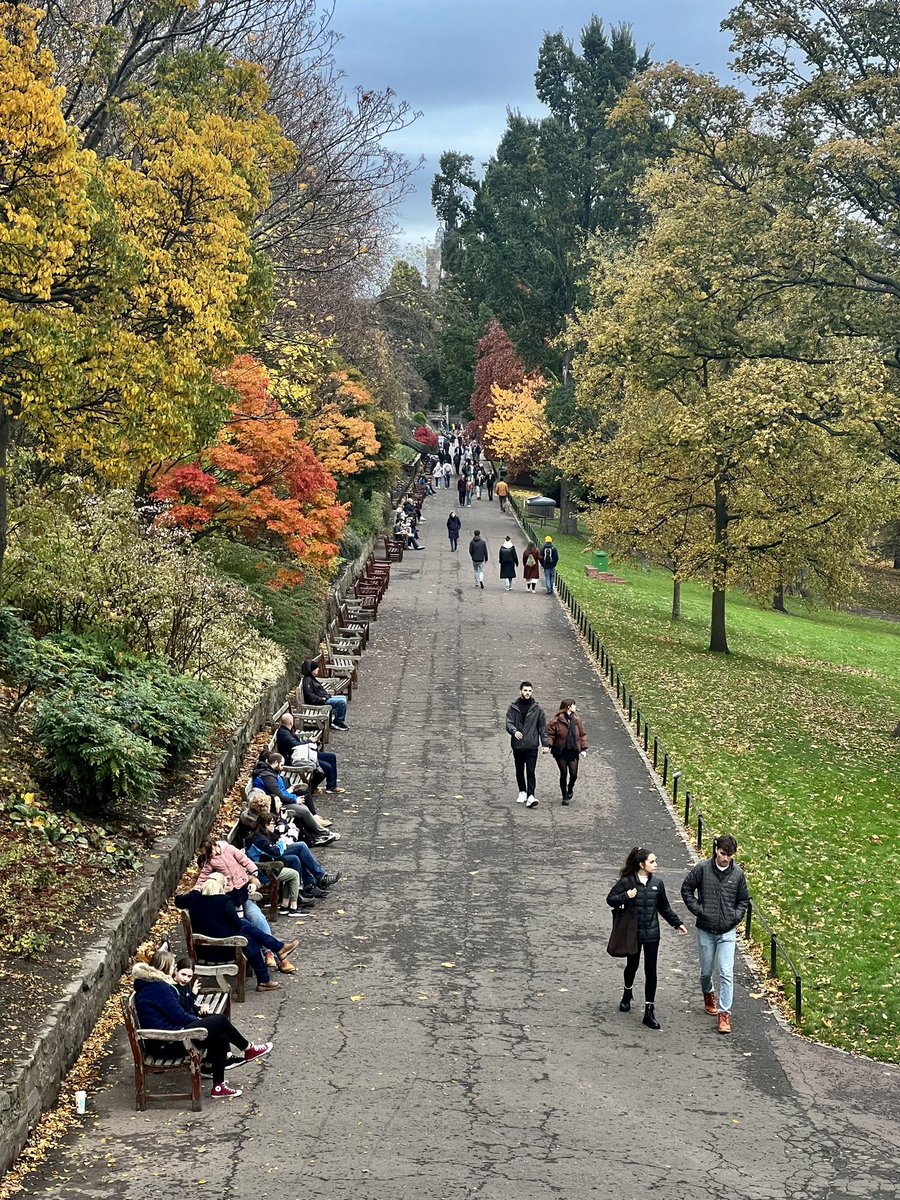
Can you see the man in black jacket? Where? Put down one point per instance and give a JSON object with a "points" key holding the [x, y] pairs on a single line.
{"points": [[527, 728], [716, 893]]}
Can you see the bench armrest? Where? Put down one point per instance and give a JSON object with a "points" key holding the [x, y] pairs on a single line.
{"points": [[198, 1034]]}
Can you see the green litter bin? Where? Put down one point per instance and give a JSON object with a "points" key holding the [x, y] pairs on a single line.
{"points": [[601, 560]]}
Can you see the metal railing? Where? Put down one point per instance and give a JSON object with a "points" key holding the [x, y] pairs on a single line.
{"points": [[661, 760]]}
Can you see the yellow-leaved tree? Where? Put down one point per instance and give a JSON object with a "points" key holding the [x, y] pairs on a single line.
{"points": [[518, 432], [126, 281]]}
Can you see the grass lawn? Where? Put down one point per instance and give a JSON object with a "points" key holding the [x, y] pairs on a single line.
{"points": [[786, 743]]}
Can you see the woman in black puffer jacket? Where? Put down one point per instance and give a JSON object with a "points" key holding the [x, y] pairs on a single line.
{"points": [[638, 885]]}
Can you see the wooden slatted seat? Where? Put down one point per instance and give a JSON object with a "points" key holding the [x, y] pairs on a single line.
{"points": [[150, 1061]]}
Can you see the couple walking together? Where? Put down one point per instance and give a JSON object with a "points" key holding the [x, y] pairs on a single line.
{"points": [[714, 891], [530, 735]]}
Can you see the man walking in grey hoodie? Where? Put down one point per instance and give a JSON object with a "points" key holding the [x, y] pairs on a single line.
{"points": [[478, 552]]}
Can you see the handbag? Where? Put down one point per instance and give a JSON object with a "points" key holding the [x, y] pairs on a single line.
{"points": [[623, 939], [304, 754]]}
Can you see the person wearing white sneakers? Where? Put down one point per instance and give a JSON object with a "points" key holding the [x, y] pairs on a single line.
{"points": [[159, 1006], [527, 727]]}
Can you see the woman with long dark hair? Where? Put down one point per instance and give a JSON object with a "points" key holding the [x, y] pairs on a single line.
{"points": [[638, 885], [568, 743]]}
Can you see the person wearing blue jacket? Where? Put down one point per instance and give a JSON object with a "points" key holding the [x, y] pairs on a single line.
{"points": [[160, 1007]]}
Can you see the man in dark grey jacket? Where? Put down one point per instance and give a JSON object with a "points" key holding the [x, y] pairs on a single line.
{"points": [[716, 893], [478, 552], [527, 728]]}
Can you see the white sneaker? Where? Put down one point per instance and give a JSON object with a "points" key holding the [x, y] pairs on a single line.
{"points": [[531, 802], [520, 799]]}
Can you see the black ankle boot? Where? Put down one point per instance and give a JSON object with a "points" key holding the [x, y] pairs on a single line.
{"points": [[649, 1019], [565, 797], [625, 1002]]}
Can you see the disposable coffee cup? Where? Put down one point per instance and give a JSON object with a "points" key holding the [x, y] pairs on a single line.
{"points": [[80, 1101]]}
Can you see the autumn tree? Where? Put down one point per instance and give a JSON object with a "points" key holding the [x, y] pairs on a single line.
{"points": [[496, 366], [699, 336], [517, 432], [259, 482]]}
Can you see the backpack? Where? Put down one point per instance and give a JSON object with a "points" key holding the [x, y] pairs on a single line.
{"points": [[547, 556]]}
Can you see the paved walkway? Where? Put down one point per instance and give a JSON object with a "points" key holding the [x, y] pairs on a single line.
{"points": [[453, 1031]]}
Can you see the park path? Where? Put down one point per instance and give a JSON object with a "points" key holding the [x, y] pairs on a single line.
{"points": [[453, 1029]]}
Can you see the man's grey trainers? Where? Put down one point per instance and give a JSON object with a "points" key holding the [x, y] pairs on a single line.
{"points": [[531, 802]]}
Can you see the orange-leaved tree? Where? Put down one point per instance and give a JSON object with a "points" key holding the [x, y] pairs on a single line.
{"points": [[342, 436], [259, 482], [518, 431]]}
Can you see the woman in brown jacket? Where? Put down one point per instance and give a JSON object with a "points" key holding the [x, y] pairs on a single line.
{"points": [[568, 743], [531, 566]]}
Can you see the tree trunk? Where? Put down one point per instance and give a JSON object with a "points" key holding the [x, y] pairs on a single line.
{"points": [[5, 431], [676, 599], [897, 558], [718, 639], [778, 599], [568, 518]]}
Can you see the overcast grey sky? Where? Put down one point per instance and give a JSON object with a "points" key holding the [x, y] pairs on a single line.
{"points": [[462, 62]]}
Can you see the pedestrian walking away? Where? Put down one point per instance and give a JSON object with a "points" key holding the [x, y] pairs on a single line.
{"points": [[568, 745], [509, 560], [638, 886], [453, 527], [478, 552], [490, 481], [531, 566], [448, 471], [716, 893], [549, 559], [527, 728], [502, 490], [461, 490], [470, 490]]}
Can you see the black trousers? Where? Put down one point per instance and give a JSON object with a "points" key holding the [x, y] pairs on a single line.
{"points": [[526, 761], [651, 953], [568, 773], [220, 1034]]}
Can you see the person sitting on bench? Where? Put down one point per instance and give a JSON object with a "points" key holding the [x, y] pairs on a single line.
{"points": [[314, 693]]}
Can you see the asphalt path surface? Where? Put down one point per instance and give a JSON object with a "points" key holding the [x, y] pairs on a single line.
{"points": [[453, 1028]]}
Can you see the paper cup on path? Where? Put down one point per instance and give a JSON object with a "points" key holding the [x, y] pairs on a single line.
{"points": [[80, 1101]]}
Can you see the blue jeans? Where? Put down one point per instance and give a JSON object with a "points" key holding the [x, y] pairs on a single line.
{"points": [[549, 572], [252, 952], [717, 952], [339, 704], [328, 764], [255, 915], [310, 871]]}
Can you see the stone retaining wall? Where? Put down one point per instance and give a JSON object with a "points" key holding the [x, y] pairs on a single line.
{"points": [[34, 1081]]}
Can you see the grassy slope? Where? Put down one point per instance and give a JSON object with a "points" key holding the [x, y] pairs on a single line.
{"points": [[784, 742]]}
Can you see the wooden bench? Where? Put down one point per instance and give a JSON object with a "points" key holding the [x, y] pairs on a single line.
{"points": [[198, 945], [344, 640], [353, 626], [393, 548], [312, 718], [146, 1062]]}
